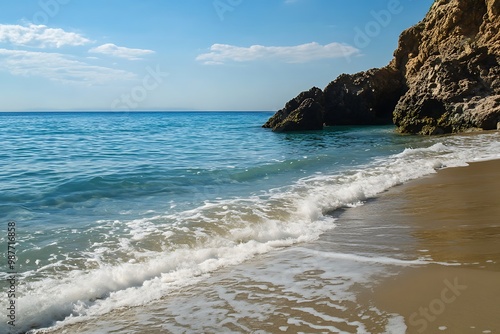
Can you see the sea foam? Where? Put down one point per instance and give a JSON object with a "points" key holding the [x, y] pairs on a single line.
{"points": [[193, 244]]}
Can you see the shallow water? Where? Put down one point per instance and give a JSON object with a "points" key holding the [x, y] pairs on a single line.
{"points": [[119, 210]]}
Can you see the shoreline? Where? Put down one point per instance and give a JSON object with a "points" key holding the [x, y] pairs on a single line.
{"points": [[453, 216], [373, 273]]}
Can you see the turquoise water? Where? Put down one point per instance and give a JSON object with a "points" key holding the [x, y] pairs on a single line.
{"points": [[62, 167], [124, 204]]}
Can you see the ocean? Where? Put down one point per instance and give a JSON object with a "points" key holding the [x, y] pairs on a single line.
{"points": [[201, 222]]}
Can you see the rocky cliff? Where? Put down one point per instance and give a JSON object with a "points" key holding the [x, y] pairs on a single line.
{"points": [[444, 77]]}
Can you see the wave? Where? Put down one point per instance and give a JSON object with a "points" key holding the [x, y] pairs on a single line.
{"points": [[134, 262]]}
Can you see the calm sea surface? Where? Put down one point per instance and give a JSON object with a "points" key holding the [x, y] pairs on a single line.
{"points": [[116, 211]]}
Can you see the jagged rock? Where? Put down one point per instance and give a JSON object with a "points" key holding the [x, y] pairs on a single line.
{"points": [[451, 64], [308, 116], [365, 98], [315, 93], [444, 77]]}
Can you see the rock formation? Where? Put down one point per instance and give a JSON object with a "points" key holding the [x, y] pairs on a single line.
{"points": [[451, 64], [289, 113], [308, 116], [363, 98], [444, 77]]}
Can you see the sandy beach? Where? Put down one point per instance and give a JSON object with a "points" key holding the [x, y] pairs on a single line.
{"points": [[424, 257], [454, 216]]}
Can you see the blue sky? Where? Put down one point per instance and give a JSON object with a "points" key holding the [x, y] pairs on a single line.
{"points": [[188, 54]]}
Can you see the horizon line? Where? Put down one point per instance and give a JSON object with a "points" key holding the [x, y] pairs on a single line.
{"points": [[126, 111]]}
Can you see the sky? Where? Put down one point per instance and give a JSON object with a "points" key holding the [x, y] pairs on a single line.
{"points": [[114, 55]]}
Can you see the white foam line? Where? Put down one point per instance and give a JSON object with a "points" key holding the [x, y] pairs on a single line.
{"points": [[380, 260], [299, 322], [360, 327]]}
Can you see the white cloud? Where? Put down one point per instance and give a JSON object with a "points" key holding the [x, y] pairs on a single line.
{"points": [[58, 67], [121, 52], [39, 36], [221, 53]]}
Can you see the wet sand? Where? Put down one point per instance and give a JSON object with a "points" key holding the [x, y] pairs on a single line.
{"points": [[454, 217]]}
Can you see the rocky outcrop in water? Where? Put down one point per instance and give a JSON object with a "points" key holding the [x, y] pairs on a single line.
{"points": [[445, 77], [300, 113], [308, 116]]}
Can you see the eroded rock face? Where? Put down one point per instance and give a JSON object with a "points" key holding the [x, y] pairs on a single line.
{"points": [[452, 95], [450, 61], [445, 77]]}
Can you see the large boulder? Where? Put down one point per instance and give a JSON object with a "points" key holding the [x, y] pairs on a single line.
{"points": [[314, 93], [307, 116]]}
